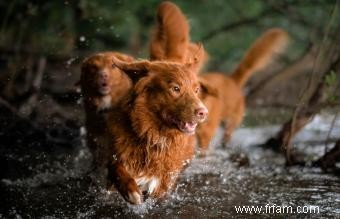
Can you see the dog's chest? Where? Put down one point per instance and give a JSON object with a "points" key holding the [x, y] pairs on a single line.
{"points": [[105, 103]]}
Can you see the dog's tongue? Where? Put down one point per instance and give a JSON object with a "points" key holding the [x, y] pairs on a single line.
{"points": [[188, 127]]}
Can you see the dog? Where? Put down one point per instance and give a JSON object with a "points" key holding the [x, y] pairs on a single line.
{"points": [[170, 39], [221, 94], [152, 128], [102, 87], [229, 105]]}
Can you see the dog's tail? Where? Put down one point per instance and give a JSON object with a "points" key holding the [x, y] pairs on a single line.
{"points": [[171, 36], [260, 54]]}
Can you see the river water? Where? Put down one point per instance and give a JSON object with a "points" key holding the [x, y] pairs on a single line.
{"points": [[53, 182]]}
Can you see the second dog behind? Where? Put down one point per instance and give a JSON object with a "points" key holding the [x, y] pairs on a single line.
{"points": [[229, 106], [102, 88]]}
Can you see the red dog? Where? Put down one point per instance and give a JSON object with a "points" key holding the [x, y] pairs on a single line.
{"points": [[229, 105], [102, 87], [221, 94], [152, 128]]}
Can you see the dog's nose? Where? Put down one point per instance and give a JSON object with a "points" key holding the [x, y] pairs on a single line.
{"points": [[104, 75], [201, 112]]}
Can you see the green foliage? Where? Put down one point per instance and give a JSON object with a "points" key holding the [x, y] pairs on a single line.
{"points": [[330, 79], [73, 28]]}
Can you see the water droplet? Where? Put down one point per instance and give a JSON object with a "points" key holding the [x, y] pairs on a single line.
{"points": [[82, 39]]}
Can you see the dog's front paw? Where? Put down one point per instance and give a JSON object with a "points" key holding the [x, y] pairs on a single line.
{"points": [[131, 192], [201, 153], [134, 198]]}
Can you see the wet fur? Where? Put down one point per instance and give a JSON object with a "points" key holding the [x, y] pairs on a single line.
{"points": [[97, 104], [221, 94], [146, 147], [229, 105], [171, 40]]}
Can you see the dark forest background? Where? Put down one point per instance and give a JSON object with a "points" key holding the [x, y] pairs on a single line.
{"points": [[42, 44]]}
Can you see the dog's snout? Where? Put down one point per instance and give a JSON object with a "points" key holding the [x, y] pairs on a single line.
{"points": [[104, 75]]}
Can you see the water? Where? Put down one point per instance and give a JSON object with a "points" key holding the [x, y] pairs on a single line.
{"points": [[55, 184]]}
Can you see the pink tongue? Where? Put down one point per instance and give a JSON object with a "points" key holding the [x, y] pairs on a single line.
{"points": [[188, 126]]}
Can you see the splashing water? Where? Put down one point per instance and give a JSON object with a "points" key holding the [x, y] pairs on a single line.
{"points": [[59, 186]]}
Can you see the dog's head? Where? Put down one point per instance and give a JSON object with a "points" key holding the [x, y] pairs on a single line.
{"points": [[98, 77], [167, 91], [196, 51]]}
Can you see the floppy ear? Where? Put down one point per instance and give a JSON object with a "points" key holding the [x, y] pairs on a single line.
{"points": [[135, 70], [207, 88], [196, 57], [124, 57]]}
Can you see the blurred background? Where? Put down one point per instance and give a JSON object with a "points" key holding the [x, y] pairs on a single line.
{"points": [[42, 44]]}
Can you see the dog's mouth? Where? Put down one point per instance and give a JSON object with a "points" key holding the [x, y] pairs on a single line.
{"points": [[104, 88], [188, 127]]}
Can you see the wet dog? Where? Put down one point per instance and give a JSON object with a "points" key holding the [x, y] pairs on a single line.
{"points": [[102, 87], [221, 94], [152, 128], [229, 105]]}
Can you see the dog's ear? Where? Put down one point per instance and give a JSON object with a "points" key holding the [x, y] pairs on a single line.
{"points": [[135, 70], [124, 57], [196, 52], [207, 88], [196, 57]]}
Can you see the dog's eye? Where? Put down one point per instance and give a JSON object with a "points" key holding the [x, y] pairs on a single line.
{"points": [[176, 88]]}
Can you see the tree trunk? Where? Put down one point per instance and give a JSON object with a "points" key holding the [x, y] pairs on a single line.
{"points": [[330, 158], [306, 110]]}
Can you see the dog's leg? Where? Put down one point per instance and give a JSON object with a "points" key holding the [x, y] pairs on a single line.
{"points": [[166, 183], [124, 183], [205, 133], [233, 121], [228, 130]]}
